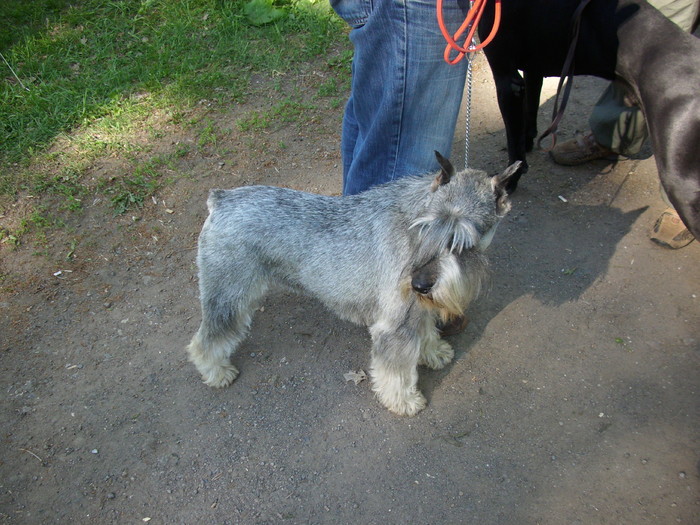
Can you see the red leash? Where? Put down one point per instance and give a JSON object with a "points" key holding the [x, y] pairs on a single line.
{"points": [[471, 23]]}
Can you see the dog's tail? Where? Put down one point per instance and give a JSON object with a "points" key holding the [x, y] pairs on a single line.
{"points": [[215, 197]]}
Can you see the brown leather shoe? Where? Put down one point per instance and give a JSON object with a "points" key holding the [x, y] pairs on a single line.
{"points": [[454, 326], [670, 232], [579, 150]]}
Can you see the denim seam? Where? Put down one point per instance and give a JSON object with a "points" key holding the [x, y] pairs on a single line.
{"points": [[404, 80]]}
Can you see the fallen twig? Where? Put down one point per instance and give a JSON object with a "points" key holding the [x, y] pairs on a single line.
{"points": [[32, 453]]}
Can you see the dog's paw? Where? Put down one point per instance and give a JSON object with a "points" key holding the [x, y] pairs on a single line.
{"points": [[220, 376], [406, 402], [409, 405], [437, 356], [394, 383]]}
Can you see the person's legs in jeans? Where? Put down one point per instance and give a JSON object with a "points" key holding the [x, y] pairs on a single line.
{"points": [[405, 99]]}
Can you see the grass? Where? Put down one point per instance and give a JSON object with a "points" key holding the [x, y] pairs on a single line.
{"points": [[82, 78], [287, 110], [90, 59]]}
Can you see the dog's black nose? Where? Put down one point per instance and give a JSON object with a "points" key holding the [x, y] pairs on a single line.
{"points": [[421, 286], [424, 278]]}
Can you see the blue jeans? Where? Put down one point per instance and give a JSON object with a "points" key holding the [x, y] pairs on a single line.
{"points": [[405, 98]]}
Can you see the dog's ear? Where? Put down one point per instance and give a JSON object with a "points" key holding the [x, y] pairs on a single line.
{"points": [[446, 172], [499, 183]]}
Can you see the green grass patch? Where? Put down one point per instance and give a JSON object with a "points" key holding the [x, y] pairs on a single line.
{"points": [[39, 221], [106, 67], [22, 19], [285, 111], [131, 190]]}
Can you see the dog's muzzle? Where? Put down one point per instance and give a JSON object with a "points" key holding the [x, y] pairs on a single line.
{"points": [[424, 278]]}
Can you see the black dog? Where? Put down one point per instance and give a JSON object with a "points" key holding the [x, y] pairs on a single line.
{"points": [[626, 40]]}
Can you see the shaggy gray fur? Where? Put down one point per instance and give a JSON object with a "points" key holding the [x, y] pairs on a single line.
{"points": [[358, 256]]}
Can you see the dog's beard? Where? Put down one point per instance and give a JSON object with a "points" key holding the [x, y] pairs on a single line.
{"points": [[458, 284]]}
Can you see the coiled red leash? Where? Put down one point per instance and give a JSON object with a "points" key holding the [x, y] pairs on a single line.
{"points": [[471, 23]]}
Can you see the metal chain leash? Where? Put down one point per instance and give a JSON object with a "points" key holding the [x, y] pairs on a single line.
{"points": [[468, 110]]}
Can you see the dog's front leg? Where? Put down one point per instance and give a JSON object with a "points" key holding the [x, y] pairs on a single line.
{"points": [[435, 352], [395, 353]]}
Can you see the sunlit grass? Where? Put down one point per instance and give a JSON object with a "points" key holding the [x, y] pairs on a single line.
{"points": [[99, 83], [107, 67]]}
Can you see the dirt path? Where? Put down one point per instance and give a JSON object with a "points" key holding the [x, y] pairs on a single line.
{"points": [[573, 397]]}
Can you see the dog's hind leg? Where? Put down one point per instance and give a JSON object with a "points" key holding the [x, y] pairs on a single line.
{"points": [[435, 352], [393, 369], [227, 312]]}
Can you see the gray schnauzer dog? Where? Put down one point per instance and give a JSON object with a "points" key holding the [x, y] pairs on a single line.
{"points": [[397, 258]]}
